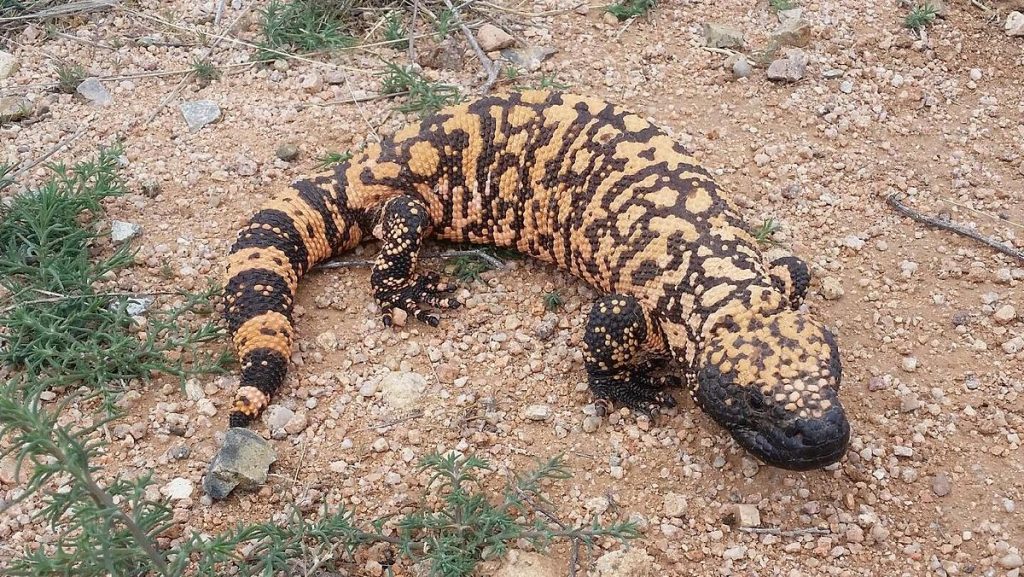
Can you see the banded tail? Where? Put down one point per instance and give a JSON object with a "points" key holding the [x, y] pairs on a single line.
{"points": [[303, 226]]}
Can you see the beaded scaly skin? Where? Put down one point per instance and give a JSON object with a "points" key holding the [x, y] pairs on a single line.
{"points": [[594, 190]]}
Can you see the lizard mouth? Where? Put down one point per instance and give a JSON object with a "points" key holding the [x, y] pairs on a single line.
{"points": [[803, 445]]}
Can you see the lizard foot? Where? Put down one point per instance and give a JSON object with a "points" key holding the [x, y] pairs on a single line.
{"points": [[425, 289]]}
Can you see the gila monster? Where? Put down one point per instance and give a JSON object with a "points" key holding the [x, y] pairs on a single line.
{"points": [[597, 191]]}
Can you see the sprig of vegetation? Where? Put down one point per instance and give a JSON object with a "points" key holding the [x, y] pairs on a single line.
{"points": [[69, 76], [782, 5], [395, 32], [424, 97], [553, 301], [444, 22], [468, 527], [305, 25], [332, 158], [764, 233], [626, 9], [205, 71], [920, 16]]}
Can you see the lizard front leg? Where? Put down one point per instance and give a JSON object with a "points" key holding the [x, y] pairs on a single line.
{"points": [[396, 285], [618, 342]]}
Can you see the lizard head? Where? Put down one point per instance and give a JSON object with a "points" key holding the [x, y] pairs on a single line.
{"points": [[772, 380]]}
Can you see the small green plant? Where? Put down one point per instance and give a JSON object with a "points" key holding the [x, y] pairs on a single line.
{"points": [[782, 5], [468, 527], [920, 16], [512, 72], [468, 268], [626, 9], [444, 22], [6, 169], [424, 97], [550, 82], [764, 233], [205, 71], [304, 25], [395, 32], [553, 301], [55, 321], [69, 76], [332, 158]]}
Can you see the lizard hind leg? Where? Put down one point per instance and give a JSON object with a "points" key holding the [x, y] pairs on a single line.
{"points": [[396, 285], [619, 338]]}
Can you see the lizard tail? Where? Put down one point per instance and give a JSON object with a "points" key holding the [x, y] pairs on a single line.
{"points": [[299, 228]]}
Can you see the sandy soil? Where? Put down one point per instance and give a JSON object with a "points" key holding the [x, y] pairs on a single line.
{"points": [[933, 373]]}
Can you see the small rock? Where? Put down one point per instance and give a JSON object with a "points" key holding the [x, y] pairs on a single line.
{"points": [[277, 416], [1014, 24], [790, 14], [734, 553], [940, 7], [327, 341], [831, 289], [380, 445], [491, 38], [675, 505], [529, 58], [976, 74], [832, 74], [591, 423], [135, 306], [903, 452], [199, 113], [178, 489], [121, 231], [1011, 561], [296, 424], [722, 36], [741, 68], [537, 413], [8, 64], [522, 564], [941, 484], [14, 108], [287, 152], [789, 69], [910, 403], [854, 242], [744, 515], [910, 364], [846, 87], [403, 390], [908, 268], [793, 33], [94, 91], [312, 83], [243, 461], [1014, 345], [245, 166], [1005, 314], [634, 562]]}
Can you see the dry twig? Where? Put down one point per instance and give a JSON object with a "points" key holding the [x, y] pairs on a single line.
{"points": [[791, 533], [489, 67], [939, 223]]}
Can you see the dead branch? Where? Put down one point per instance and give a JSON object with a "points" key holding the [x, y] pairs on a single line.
{"points": [[963, 231], [489, 67]]}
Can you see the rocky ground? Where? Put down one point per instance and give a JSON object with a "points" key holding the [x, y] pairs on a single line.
{"points": [[929, 322]]}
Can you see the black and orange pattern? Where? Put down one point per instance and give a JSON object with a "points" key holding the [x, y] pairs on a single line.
{"points": [[597, 191]]}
